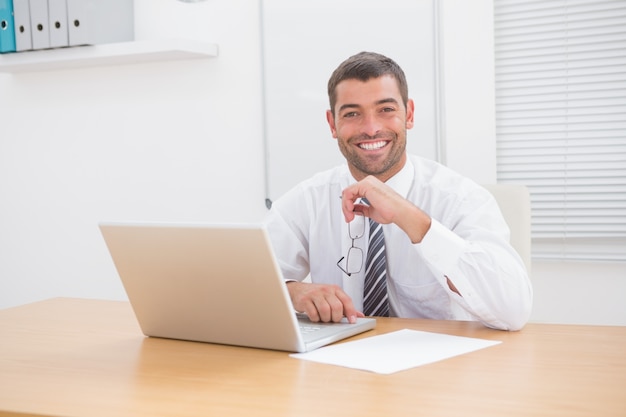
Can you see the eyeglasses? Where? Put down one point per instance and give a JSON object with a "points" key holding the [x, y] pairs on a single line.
{"points": [[354, 259]]}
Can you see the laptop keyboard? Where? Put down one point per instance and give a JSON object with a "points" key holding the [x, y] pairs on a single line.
{"points": [[309, 328]]}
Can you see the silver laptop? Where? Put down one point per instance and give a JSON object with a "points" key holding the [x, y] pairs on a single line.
{"points": [[213, 283]]}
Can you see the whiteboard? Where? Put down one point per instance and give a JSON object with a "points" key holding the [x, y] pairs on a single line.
{"points": [[303, 42]]}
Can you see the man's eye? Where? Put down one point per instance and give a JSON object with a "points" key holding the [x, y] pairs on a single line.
{"points": [[388, 109], [350, 114]]}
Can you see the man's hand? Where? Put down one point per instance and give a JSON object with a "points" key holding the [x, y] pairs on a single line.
{"points": [[322, 302], [385, 206]]}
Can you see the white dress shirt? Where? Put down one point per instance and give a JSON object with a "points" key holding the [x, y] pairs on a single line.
{"points": [[468, 242]]}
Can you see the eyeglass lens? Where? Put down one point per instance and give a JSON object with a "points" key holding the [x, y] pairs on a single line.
{"points": [[354, 260]]}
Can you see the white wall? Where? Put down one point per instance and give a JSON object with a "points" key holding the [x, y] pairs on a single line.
{"points": [[466, 88], [177, 141], [579, 292], [182, 141]]}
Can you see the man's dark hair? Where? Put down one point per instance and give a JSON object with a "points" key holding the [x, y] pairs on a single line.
{"points": [[364, 66]]}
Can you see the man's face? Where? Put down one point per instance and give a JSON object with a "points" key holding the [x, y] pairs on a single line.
{"points": [[370, 124]]}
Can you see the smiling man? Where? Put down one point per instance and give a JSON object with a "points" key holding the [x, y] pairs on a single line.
{"points": [[391, 233]]}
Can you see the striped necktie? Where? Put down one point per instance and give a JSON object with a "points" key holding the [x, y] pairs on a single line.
{"points": [[375, 298]]}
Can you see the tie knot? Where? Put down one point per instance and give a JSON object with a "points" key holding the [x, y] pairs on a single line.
{"points": [[373, 223]]}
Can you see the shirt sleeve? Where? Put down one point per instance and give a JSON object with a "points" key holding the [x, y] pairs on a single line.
{"points": [[289, 247], [474, 254]]}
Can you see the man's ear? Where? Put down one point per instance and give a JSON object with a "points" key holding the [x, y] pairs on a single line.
{"points": [[410, 114], [330, 118]]}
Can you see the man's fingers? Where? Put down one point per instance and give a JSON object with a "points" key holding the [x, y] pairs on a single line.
{"points": [[324, 303], [311, 311], [348, 308]]}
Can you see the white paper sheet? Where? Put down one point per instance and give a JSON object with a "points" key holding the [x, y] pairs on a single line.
{"points": [[396, 351]]}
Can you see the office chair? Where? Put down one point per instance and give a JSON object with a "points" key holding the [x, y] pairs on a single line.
{"points": [[514, 202]]}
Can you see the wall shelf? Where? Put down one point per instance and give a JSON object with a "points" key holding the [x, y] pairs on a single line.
{"points": [[107, 54]]}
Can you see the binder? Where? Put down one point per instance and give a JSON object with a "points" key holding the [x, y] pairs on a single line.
{"points": [[57, 22], [7, 31], [21, 15], [93, 22], [39, 24]]}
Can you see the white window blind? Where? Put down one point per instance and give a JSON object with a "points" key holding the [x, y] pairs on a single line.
{"points": [[561, 121]]}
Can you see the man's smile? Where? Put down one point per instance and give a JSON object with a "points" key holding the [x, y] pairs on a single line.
{"points": [[371, 146]]}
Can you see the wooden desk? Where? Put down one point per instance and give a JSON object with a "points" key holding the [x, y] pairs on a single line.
{"points": [[74, 357]]}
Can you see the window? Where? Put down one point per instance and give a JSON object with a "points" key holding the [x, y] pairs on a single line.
{"points": [[561, 121]]}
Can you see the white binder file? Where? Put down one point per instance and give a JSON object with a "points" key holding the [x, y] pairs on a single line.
{"points": [[39, 24], [57, 14], [21, 16], [93, 22]]}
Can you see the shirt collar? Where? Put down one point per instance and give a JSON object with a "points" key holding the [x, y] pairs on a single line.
{"points": [[401, 182]]}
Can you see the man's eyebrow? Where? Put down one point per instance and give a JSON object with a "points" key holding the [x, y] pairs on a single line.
{"points": [[378, 103], [387, 100], [348, 106]]}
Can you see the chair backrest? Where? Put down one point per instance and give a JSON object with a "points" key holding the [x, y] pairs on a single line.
{"points": [[514, 202]]}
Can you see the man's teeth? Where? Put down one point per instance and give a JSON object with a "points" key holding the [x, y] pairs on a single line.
{"points": [[372, 145]]}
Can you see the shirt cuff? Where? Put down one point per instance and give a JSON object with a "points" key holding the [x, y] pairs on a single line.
{"points": [[441, 247]]}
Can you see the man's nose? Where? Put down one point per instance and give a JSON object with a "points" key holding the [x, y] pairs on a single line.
{"points": [[371, 124]]}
